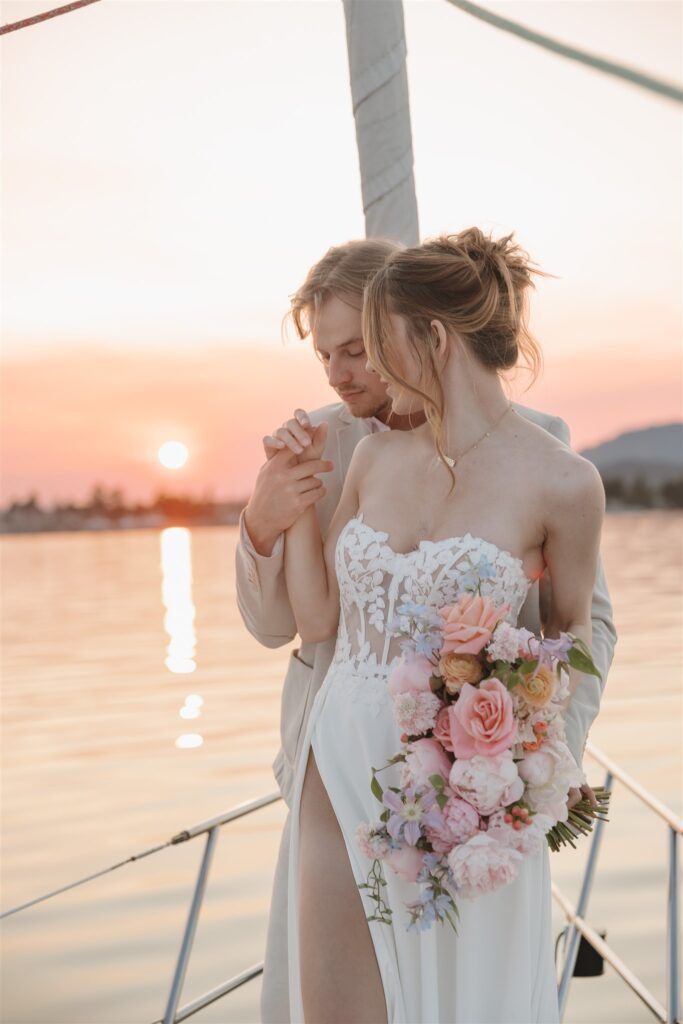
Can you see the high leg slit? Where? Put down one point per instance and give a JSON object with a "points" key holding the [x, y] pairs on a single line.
{"points": [[336, 949]]}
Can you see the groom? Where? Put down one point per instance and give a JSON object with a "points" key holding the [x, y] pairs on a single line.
{"points": [[330, 302]]}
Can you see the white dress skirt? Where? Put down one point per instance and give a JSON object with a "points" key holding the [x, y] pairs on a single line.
{"points": [[499, 967]]}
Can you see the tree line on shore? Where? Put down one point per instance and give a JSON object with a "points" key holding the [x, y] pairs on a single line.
{"points": [[107, 508]]}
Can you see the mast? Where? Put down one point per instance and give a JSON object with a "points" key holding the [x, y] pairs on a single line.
{"points": [[375, 36]]}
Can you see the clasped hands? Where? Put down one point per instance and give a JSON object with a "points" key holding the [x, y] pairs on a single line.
{"points": [[288, 482]]}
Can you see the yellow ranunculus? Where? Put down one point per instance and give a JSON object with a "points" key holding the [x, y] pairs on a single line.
{"points": [[458, 669], [538, 691]]}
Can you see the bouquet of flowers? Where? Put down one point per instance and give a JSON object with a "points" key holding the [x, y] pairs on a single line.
{"points": [[485, 768]]}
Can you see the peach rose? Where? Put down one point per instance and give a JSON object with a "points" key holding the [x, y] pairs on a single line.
{"points": [[538, 691], [411, 676], [482, 720], [457, 669], [469, 623]]}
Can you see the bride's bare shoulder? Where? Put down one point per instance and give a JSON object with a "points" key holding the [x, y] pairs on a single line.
{"points": [[569, 479]]}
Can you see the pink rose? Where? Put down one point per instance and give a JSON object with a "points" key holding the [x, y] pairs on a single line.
{"points": [[406, 862], [459, 821], [424, 758], [411, 676], [482, 719], [469, 623], [442, 729]]}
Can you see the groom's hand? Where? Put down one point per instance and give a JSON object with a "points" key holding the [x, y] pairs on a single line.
{"points": [[285, 487]]}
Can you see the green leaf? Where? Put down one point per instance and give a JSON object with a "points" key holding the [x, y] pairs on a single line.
{"points": [[376, 788], [442, 800], [437, 781], [436, 683], [527, 666], [582, 661]]}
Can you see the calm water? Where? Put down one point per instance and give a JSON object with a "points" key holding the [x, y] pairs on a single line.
{"points": [[107, 635]]}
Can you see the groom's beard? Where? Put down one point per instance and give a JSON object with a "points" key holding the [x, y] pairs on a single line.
{"points": [[368, 408]]}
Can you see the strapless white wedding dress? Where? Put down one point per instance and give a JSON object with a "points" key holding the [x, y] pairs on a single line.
{"points": [[499, 968]]}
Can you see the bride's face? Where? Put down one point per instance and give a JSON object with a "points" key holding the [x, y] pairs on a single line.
{"points": [[404, 363]]}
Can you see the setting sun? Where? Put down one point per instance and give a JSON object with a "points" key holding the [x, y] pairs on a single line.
{"points": [[173, 454]]}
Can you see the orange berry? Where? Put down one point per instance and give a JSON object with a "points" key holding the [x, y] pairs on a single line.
{"points": [[517, 825], [508, 818]]}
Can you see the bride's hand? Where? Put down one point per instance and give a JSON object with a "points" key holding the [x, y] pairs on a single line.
{"points": [[584, 793], [300, 436]]}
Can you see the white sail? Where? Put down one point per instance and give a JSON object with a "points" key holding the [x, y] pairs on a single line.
{"points": [[375, 36]]}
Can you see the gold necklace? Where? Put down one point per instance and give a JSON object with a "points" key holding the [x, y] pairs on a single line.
{"points": [[451, 462]]}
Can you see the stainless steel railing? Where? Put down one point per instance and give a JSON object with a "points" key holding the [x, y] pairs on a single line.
{"points": [[576, 915]]}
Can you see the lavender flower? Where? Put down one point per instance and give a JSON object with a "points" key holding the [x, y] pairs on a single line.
{"points": [[409, 811]]}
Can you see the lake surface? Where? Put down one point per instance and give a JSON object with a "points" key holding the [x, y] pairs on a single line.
{"points": [[110, 643]]}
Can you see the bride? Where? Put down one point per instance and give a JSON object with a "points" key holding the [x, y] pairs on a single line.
{"points": [[476, 484]]}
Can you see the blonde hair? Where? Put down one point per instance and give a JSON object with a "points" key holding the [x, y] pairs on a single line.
{"points": [[344, 271], [476, 286]]}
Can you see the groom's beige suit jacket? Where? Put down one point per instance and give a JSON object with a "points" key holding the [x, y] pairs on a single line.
{"points": [[264, 605]]}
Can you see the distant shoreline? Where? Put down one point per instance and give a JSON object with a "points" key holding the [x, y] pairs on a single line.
{"points": [[144, 523]]}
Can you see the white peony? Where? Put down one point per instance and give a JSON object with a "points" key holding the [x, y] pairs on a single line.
{"points": [[550, 796], [536, 767], [487, 782]]}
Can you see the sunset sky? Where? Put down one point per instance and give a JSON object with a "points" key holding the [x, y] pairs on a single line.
{"points": [[170, 170]]}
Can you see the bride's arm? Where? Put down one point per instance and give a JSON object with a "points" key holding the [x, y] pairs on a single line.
{"points": [[309, 563], [571, 551]]}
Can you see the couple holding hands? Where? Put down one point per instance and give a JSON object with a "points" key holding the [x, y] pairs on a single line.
{"points": [[422, 470]]}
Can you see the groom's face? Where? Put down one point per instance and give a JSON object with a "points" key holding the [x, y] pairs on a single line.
{"points": [[338, 342]]}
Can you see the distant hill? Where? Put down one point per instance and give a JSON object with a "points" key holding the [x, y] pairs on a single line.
{"points": [[654, 454]]}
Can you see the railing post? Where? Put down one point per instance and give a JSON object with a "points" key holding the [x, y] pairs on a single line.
{"points": [[574, 934], [672, 961], [190, 927]]}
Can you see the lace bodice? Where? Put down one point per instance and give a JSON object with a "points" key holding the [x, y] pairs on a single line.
{"points": [[374, 580]]}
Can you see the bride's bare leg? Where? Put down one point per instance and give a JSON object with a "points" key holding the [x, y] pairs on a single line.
{"points": [[340, 979]]}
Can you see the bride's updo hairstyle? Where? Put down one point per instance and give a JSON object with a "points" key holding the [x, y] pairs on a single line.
{"points": [[476, 286]]}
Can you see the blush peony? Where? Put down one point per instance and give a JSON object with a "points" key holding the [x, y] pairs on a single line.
{"points": [[424, 758], [459, 821], [487, 783], [482, 864], [411, 675], [407, 862]]}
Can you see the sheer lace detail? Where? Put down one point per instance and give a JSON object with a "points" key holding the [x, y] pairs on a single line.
{"points": [[374, 580]]}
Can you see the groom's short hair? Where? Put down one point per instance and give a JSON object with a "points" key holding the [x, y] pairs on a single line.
{"points": [[343, 271]]}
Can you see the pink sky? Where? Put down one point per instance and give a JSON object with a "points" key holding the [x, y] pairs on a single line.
{"points": [[71, 420], [170, 171]]}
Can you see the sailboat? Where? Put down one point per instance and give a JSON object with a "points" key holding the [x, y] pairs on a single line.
{"points": [[379, 89]]}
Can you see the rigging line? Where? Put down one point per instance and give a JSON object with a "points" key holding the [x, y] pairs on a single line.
{"points": [[672, 92], [12, 26]]}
